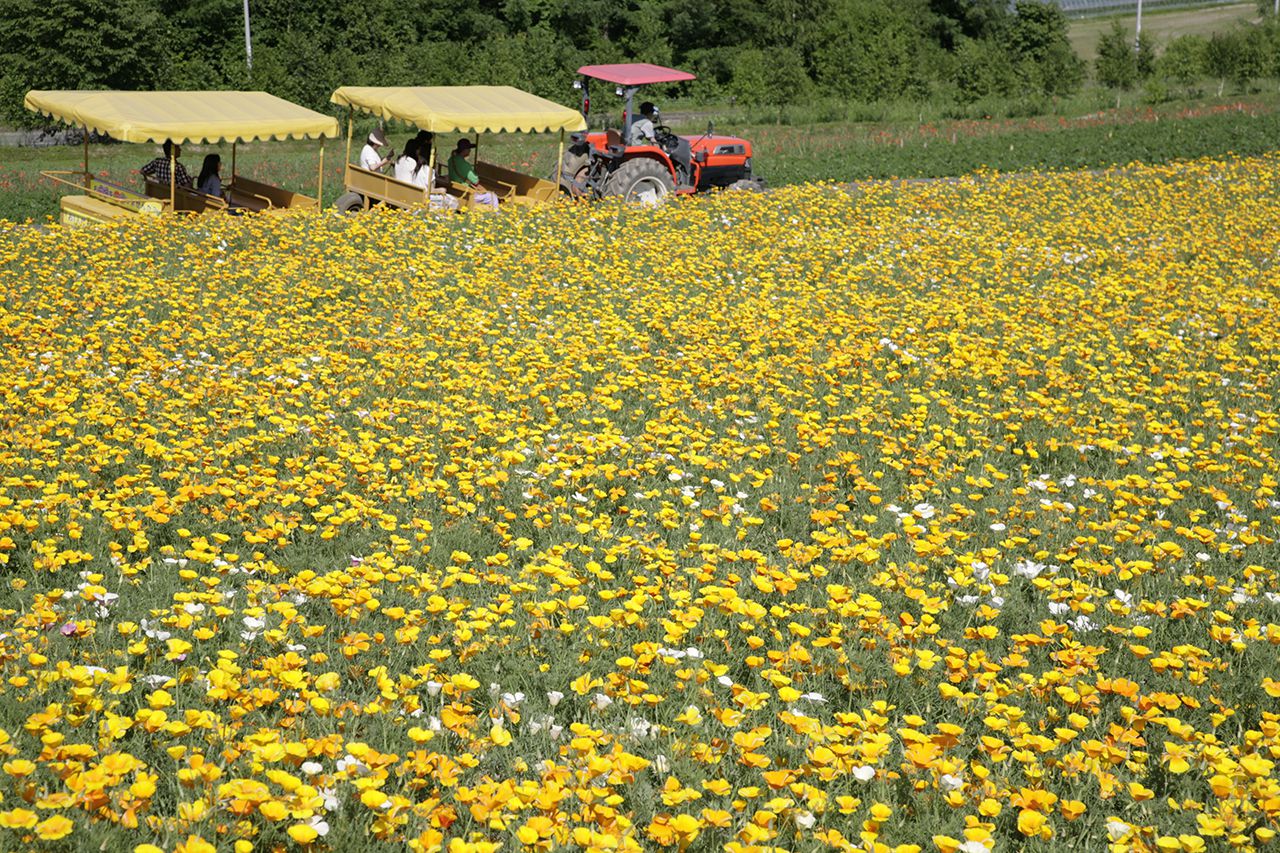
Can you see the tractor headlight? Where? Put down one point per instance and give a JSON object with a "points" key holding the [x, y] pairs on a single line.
{"points": [[577, 84], [747, 164]]}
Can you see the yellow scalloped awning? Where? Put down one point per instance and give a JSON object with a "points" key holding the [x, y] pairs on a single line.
{"points": [[466, 109], [183, 116]]}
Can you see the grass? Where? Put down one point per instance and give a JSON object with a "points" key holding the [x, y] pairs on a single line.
{"points": [[1163, 25]]}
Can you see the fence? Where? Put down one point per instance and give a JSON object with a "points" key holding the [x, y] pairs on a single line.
{"points": [[1087, 8]]}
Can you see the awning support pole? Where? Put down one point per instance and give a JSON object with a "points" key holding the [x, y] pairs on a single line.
{"points": [[431, 174], [173, 180], [320, 182], [560, 162], [350, 130], [86, 158], [233, 161]]}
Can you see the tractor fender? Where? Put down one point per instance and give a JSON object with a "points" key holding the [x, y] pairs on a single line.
{"points": [[653, 152]]}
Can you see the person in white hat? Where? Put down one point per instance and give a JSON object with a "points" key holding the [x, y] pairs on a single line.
{"points": [[370, 156]]}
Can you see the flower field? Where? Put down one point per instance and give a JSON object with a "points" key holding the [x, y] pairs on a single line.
{"points": [[922, 516]]}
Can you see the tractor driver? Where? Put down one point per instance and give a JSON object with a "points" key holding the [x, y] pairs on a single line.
{"points": [[642, 128]]}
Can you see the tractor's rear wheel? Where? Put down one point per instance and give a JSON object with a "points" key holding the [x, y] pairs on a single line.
{"points": [[349, 203], [641, 179]]}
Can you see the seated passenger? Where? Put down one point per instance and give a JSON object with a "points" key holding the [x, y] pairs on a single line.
{"points": [[371, 156], [157, 170], [408, 162], [210, 180], [421, 177], [462, 173]]}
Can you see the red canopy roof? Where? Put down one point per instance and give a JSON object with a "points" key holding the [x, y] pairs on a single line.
{"points": [[635, 74]]}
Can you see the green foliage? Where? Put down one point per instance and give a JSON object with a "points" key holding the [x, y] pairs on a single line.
{"points": [[78, 44], [1244, 55], [870, 50], [766, 52], [1144, 57], [1031, 57], [1037, 39], [771, 77], [1117, 66], [1183, 60], [982, 69]]}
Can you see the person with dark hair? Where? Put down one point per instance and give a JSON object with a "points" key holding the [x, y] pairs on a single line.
{"points": [[642, 129], [408, 162], [157, 170], [421, 176], [210, 180]]}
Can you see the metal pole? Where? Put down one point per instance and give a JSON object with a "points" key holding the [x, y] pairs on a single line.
{"points": [[560, 163], [320, 187], [1137, 38], [350, 129], [86, 158], [431, 172], [233, 161], [173, 177], [248, 39]]}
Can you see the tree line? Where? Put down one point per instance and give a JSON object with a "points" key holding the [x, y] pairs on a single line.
{"points": [[756, 52]]}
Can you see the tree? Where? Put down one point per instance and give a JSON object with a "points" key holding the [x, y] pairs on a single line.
{"points": [[1116, 67], [77, 44], [983, 69], [1036, 36], [1219, 58], [772, 77], [1183, 60], [869, 50]]}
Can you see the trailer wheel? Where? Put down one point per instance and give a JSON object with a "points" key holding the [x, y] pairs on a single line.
{"points": [[641, 179], [349, 203]]}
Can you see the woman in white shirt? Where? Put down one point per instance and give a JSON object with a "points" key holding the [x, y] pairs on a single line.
{"points": [[408, 162], [421, 177], [370, 157]]}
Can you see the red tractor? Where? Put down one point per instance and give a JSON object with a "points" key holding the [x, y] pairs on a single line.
{"points": [[615, 162]]}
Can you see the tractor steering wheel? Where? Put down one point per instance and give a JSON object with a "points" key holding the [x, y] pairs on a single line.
{"points": [[664, 137]]}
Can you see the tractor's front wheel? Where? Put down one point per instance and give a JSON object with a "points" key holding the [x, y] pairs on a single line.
{"points": [[349, 203], [641, 179]]}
